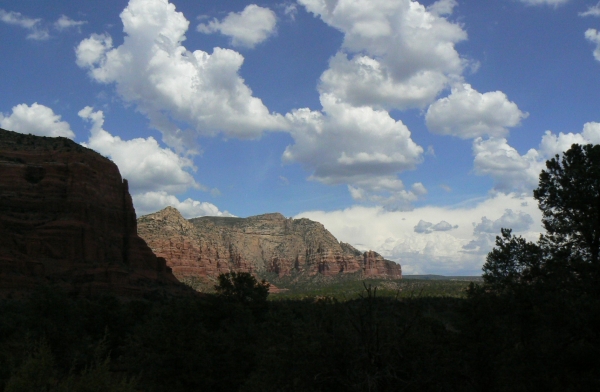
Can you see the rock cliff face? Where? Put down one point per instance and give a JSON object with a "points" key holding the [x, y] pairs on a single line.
{"points": [[209, 246], [66, 217]]}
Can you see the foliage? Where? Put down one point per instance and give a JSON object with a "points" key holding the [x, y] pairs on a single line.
{"points": [[569, 197], [513, 261], [242, 287], [351, 289]]}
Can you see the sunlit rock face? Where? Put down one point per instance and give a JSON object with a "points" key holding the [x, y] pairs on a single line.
{"points": [[66, 218], [269, 243]]}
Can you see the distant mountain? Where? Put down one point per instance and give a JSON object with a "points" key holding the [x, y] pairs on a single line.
{"points": [[268, 244]]}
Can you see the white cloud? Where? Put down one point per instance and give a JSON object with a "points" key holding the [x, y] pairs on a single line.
{"points": [[64, 23], [441, 251], [517, 221], [167, 82], [486, 231], [149, 202], [514, 172], [554, 3], [36, 31], [593, 36], [37, 120], [510, 170], [442, 7], [467, 113], [358, 146], [248, 28], [91, 50], [593, 10], [147, 166], [395, 54], [552, 144]]}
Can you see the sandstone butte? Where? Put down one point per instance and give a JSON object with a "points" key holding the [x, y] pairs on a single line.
{"points": [[67, 219], [269, 243]]}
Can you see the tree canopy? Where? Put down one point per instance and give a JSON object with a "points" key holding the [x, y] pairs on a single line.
{"points": [[242, 287], [569, 197]]}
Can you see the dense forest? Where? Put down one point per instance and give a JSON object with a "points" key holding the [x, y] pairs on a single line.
{"points": [[532, 324]]}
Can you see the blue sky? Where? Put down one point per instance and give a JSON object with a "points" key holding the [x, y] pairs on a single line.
{"points": [[416, 129]]}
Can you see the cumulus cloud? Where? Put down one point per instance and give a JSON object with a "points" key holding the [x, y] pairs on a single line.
{"points": [[65, 23], [395, 55], [147, 166], [358, 146], [517, 221], [428, 227], [149, 202], [36, 30], [37, 120], [91, 50], [441, 251], [170, 84], [593, 36], [512, 171], [442, 7], [443, 226], [423, 227], [247, 28], [486, 231], [467, 113]]}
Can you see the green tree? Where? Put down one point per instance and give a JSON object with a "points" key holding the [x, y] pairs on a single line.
{"points": [[242, 287]]}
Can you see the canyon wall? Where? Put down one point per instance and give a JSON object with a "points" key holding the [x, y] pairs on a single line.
{"points": [[66, 218]]}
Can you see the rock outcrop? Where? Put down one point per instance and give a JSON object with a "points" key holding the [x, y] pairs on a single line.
{"points": [[66, 218], [269, 243]]}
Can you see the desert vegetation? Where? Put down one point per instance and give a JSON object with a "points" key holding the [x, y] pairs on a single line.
{"points": [[530, 325]]}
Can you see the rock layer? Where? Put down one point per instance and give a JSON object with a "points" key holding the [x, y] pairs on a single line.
{"points": [[66, 217], [269, 243]]}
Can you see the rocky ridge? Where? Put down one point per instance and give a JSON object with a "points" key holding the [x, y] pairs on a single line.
{"points": [[269, 243], [67, 218]]}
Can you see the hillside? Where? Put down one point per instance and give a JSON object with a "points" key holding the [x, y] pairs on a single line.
{"points": [[267, 244]]}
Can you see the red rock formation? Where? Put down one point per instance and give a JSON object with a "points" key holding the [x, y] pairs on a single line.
{"points": [[270, 243], [66, 217]]}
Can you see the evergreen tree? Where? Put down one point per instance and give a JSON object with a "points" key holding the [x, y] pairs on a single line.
{"points": [[568, 253], [569, 197]]}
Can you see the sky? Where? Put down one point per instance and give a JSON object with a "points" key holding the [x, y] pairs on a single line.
{"points": [[415, 129]]}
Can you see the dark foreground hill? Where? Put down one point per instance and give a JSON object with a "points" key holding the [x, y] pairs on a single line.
{"points": [[66, 218]]}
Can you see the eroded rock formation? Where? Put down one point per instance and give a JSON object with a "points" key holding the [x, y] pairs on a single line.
{"points": [[208, 246], [66, 217]]}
